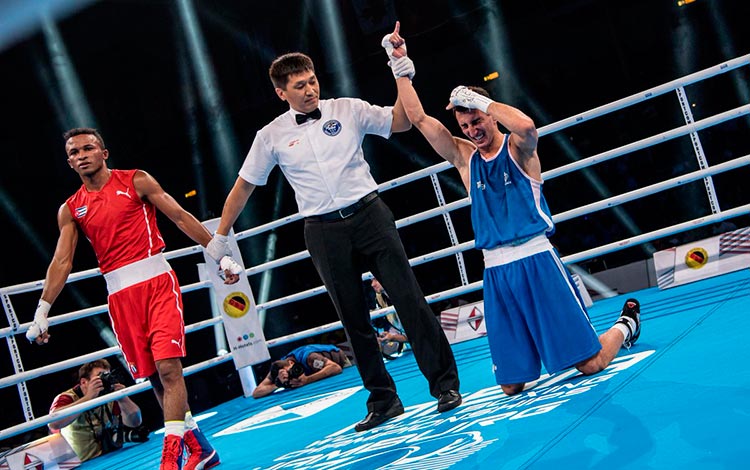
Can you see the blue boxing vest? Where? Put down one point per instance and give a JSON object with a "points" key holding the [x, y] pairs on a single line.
{"points": [[300, 354], [507, 205]]}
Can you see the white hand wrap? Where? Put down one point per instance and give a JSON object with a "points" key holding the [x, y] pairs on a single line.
{"points": [[40, 324], [464, 97], [228, 263], [218, 247], [402, 67], [387, 45]]}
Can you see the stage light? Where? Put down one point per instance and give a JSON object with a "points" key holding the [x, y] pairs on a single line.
{"points": [[491, 76], [222, 134], [337, 48], [78, 111], [682, 3], [191, 193], [217, 119]]}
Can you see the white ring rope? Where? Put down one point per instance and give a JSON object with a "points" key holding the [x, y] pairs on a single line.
{"points": [[649, 141], [606, 203], [646, 95], [654, 188], [75, 409], [656, 234], [382, 187], [16, 328]]}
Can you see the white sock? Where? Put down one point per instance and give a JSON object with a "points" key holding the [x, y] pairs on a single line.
{"points": [[624, 329], [190, 423], [175, 428]]}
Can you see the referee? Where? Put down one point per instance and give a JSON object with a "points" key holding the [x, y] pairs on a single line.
{"points": [[348, 228]]}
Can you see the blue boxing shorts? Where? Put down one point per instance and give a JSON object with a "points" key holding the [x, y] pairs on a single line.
{"points": [[533, 312]]}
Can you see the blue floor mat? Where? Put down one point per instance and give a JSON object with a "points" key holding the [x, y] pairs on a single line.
{"points": [[678, 399]]}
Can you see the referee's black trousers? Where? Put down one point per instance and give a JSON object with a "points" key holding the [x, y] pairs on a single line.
{"points": [[341, 251]]}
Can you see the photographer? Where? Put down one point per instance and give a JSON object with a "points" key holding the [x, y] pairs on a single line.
{"points": [[101, 429], [302, 366]]}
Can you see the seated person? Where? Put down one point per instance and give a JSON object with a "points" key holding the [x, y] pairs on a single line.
{"points": [[302, 366], [391, 334], [98, 430]]}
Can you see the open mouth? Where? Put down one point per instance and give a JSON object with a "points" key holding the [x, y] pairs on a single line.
{"points": [[479, 137]]}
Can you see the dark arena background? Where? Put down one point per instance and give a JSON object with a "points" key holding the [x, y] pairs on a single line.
{"points": [[179, 88]]}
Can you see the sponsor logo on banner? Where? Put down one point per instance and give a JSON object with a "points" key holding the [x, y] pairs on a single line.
{"points": [[475, 318], [696, 258], [246, 336], [236, 304], [422, 438], [32, 462], [49, 452], [735, 243], [463, 322]]}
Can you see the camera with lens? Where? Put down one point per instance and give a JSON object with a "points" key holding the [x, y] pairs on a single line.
{"points": [[108, 382], [294, 372], [139, 434]]}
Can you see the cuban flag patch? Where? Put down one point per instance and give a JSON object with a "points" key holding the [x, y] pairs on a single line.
{"points": [[81, 211]]}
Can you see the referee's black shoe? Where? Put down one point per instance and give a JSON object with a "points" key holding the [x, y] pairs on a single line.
{"points": [[376, 418], [448, 400]]}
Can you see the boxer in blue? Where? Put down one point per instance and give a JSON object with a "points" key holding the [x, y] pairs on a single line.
{"points": [[533, 310]]}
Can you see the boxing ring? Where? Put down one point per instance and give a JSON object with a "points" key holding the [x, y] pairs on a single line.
{"points": [[677, 399]]}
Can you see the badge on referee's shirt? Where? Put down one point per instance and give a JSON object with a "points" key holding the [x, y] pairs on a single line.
{"points": [[332, 128]]}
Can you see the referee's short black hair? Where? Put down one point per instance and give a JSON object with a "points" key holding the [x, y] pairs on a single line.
{"points": [[289, 64]]}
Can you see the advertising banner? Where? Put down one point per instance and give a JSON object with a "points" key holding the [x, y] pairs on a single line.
{"points": [[702, 259], [237, 306]]}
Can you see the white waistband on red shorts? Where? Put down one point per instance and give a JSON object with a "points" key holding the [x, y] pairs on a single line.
{"points": [[509, 253], [134, 273]]}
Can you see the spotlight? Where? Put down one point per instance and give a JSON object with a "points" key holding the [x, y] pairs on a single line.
{"points": [[681, 3], [191, 193]]}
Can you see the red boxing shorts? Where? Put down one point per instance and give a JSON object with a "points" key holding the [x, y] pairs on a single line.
{"points": [[148, 323]]}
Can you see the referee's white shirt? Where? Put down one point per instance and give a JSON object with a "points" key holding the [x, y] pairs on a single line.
{"points": [[321, 159]]}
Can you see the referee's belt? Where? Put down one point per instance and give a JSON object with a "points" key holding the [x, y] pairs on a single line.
{"points": [[345, 212]]}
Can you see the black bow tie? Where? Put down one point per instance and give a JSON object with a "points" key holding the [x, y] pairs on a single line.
{"points": [[302, 118]]}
